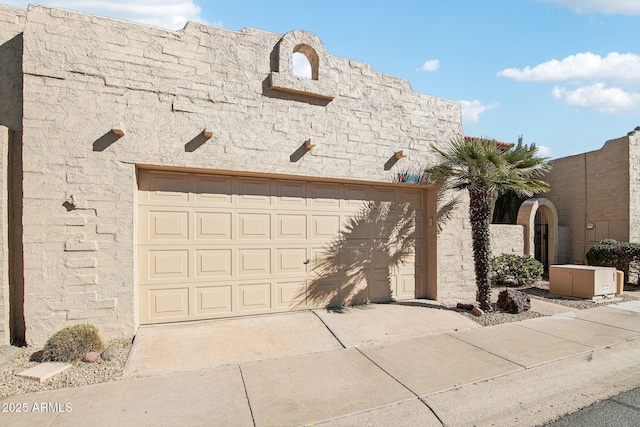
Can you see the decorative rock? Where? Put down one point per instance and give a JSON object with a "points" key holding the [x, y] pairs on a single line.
{"points": [[513, 301], [108, 353], [511, 283], [36, 356], [91, 357], [462, 306], [477, 311]]}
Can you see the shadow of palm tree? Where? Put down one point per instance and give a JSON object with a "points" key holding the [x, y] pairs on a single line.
{"points": [[357, 266]]}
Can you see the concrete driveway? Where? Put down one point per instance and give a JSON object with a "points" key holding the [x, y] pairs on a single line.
{"points": [[162, 349], [389, 364]]}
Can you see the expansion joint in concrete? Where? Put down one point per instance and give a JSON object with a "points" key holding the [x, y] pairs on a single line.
{"points": [[329, 329], [244, 385]]}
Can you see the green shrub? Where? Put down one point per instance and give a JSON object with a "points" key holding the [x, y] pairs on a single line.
{"points": [[611, 253], [72, 343], [515, 269]]}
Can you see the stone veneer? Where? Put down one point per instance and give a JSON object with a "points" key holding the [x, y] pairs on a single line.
{"points": [[85, 75]]}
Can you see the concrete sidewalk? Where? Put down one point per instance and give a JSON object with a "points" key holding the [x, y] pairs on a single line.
{"points": [[365, 368]]}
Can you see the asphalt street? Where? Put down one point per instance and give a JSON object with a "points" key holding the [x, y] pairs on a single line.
{"points": [[619, 411]]}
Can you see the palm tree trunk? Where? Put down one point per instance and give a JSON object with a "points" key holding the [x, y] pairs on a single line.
{"points": [[480, 217]]}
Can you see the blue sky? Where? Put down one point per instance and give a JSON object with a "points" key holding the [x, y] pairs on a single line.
{"points": [[565, 74]]}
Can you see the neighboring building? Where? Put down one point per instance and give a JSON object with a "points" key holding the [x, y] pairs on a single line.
{"points": [[156, 176], [597, 194]]}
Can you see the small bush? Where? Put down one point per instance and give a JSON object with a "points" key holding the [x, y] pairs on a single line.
{"points": [[72, 343], [515, 269], [624, 256]]}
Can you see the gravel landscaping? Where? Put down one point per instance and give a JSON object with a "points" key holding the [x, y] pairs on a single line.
{"points": [[540, 291], [81, 373]]}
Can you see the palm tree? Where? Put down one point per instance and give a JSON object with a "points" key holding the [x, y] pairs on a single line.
{"points": [[485, 170]]}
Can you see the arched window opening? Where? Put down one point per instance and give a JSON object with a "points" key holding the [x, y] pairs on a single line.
{"points": [[305, 56], [300, 66]]}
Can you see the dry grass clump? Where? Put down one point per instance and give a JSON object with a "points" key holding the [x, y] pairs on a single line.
{"points": [[72, 343]]}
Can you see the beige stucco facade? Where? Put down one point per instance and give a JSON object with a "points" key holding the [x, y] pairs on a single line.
{"points": [[597, 194], [89, 102]]}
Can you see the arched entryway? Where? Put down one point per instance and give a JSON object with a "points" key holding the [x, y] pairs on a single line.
{"points": [[540, 220]]}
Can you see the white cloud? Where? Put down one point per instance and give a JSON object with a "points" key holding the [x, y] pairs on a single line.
{"points": [[471, 110], [615, 68], [599, 97], [172, 14], [543, 151], [609, 7], [300, 66], [431, 65]]}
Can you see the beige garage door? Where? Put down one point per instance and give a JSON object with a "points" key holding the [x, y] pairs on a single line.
{"points": [[214, 246]]}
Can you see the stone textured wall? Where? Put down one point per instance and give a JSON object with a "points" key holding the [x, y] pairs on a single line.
{"points": [[12, 21], [594, 188], [634, 186], [85, 75], [4, 237], [456, 276], [507, 239]]}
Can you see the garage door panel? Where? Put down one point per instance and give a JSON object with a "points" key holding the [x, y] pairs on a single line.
{"points": [[381, 288], [168, 304], [213, 263], [161, 187], [358, 292], [356, 196], [167, 225], [164, 264], [213, 300], [252, 262], [214, 226], [291, 294], [324, 226], [418, 226], [323, 292], [325, 195], [253, 226], [406, 284], [418, 260], [413, 198], [381, 259], [254, 297], [291, 261], [355, 229], [291, 193], [385, 195], [215, 190], [254, 192], [291, 226]]}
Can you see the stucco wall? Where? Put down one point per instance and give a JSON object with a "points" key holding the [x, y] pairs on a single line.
{"points": [[12, 21], [563, 250], [85, 75], [592, 188], [634, 186]]}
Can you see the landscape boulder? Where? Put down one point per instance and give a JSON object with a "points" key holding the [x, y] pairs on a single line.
{"points": [[513, 301], [91, 357], [108, 353]]}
